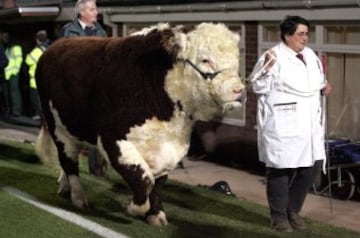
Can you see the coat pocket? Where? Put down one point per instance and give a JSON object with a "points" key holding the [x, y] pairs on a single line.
{"points": [[286, 117]]}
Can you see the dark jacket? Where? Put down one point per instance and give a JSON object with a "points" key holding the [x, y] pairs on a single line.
{"points": [[3, 59], [74, 29], [3, 62]]}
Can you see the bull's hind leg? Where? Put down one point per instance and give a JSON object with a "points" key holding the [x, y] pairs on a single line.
{"points": [[69, 177], [64, 185], [156, 215]]}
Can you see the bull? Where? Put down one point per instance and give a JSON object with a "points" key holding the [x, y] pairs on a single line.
{"points": [[136, 99]]}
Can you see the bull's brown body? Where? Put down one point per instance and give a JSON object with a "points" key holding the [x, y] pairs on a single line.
{"points": [[136, 99]]}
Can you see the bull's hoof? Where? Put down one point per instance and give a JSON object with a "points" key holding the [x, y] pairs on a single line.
{"points": [[81, 204], [136, 210], [79, 201], [64, 193], [158, 219], [78, 198]]}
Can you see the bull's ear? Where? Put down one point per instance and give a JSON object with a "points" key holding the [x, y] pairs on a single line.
{"points": [[169, 42], [182, 42]]}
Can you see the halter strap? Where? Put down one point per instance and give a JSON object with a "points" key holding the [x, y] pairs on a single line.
{"points": [[203, 74]]}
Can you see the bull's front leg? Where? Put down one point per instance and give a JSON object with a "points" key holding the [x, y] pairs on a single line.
{"points": [[156, 215], [141, 184], [136, 172]]}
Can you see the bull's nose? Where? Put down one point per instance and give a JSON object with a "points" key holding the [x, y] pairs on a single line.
{"points": [[238, 90], [242, 94]]}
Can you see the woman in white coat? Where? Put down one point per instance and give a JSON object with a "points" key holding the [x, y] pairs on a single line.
{"points": [[290, 120]]}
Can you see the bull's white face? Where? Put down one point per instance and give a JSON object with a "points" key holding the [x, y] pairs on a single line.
{"points": [[226, 86], [213, 50]]}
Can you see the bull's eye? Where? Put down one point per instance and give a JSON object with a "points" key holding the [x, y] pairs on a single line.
{"points": [[205, 61]]}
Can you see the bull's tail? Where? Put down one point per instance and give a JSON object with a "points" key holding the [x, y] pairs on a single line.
{"points": [[45, 148]]}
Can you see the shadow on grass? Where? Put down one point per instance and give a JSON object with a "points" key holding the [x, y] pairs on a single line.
{"points": [[23, 154], [213, 203], [189, 230]]}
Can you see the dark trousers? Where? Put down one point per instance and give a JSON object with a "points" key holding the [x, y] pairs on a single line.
{"points": [[13, 95], [35, 102], [3, 100], [287, 188]]}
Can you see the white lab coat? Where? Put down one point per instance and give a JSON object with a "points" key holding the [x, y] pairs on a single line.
{"points": [[290, 113]]}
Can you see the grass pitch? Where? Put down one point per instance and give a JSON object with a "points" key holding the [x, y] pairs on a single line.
{"points": [[191, 211]]}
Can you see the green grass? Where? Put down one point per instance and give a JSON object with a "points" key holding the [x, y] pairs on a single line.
{"points": [[191, 211]]}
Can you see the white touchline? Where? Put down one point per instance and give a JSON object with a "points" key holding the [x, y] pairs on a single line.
{"points": [[66, 215]]}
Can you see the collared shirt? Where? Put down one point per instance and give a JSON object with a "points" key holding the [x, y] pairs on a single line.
{"points": [[83, 24], [76, 28]]}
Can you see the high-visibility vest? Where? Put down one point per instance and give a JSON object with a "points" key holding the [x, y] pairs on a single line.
{"points": [[31, 60], [14, 55]]}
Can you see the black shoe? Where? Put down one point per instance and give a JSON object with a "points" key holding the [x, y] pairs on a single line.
{"points": [[296, 221], [281, 226], [223, 187]]}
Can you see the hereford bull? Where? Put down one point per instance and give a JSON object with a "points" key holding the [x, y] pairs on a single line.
{"points": [[136, 98]]}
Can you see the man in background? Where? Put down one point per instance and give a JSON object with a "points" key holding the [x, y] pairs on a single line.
{"points": [[86, 24], [42, 42]]}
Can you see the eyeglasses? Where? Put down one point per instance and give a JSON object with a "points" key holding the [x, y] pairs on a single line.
{"points": [[302, 34]]}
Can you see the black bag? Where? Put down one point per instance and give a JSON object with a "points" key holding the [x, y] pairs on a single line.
{"points": [[220, 186]]}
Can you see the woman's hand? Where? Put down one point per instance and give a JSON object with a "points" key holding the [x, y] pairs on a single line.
{"points": [[270, 59], [326, 90]]}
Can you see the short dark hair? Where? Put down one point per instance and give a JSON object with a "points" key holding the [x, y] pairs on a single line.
{"points": [[41, 36], [289, 24]]}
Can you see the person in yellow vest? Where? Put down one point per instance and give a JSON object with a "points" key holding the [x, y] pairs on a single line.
{"points": [[42, 42], [13, 52]]}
